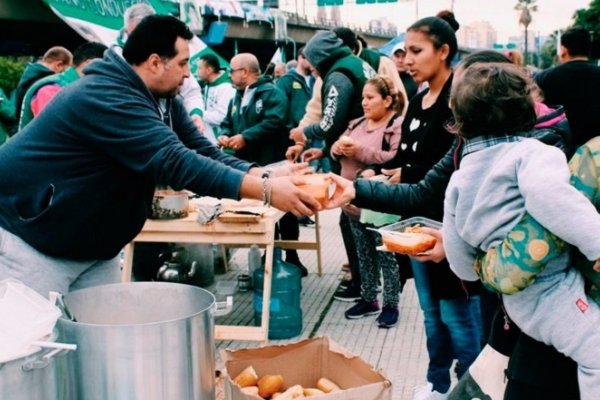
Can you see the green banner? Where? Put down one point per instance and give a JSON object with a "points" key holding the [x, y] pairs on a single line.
{"points": [[322, 3], [109, 13], [101, 20]]}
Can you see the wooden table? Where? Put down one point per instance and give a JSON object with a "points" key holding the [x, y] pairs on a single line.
{"points": [[187, 230]]}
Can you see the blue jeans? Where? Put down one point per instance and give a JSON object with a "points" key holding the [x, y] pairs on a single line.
{"points": [[323, 164], [451, 328]]}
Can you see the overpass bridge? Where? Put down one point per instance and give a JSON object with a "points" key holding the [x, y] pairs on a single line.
{"points": [[21, 22]]}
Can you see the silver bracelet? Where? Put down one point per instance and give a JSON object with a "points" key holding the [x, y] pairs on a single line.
{"points": [[266, 192]]}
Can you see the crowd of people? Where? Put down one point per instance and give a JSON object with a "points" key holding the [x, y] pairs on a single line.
{"points": [[481, 145]]}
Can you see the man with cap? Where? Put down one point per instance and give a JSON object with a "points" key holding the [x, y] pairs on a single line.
{"points": [[398, 54]]}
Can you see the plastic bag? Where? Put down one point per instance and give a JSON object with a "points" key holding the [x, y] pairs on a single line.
{"points": [[25, 316]]}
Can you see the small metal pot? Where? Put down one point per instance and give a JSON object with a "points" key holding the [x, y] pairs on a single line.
{"points": [[169, 204]]}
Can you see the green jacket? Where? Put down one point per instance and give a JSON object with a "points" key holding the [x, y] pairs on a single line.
{"points": [[298, 93], [357, 70], [372, 58], [33, 72], [63, 79], [7, 116], [261, 122]]}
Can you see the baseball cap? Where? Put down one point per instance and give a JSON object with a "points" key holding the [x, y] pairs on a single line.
{"points": [[399, 46]]}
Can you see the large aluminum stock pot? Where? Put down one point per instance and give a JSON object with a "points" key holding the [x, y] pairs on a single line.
{"points": [[32, 375], [143, 340]]}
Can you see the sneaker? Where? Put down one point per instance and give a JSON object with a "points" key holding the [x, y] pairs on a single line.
{"points": [[426, 392], [345, 282], [347, 294], [362, 309], [388, 317], [294, 259]]}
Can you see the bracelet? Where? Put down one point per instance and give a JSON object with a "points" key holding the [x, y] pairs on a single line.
{"points": [[266, 190]]}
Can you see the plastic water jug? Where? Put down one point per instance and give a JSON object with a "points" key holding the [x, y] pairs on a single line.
{"points": [[254, 262], [285, 319]]}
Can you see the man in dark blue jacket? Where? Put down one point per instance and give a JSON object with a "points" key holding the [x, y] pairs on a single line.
{"points": [[77, 184]]}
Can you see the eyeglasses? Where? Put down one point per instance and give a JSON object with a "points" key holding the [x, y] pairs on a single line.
{"points": [[231, 71]]}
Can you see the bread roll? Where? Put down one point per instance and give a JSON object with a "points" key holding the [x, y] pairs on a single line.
{"points": [[269, 384], [346, 140], [327, 386], [412, 243], [294, 392], [308, 392], [247, 377]]}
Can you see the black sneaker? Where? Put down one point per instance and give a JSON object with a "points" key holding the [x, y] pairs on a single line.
{"points": [[344, 283], [347, 294], [294, 259], [388, 317], [362, 309]]}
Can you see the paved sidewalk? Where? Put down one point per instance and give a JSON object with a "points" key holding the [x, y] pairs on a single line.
{"points": [[398, 352]]}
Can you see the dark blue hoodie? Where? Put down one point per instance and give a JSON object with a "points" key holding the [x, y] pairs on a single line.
{"points": [[77, 182]]}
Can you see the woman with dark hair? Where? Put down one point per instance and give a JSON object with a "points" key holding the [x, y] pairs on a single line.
{"points": [[372, 139], [450, 306]]}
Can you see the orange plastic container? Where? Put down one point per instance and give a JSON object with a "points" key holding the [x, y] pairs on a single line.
{"points": [[317, 185]]}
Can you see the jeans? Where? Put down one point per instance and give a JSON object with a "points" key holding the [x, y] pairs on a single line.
{"points": [[323, 164], [451, 329], [43, 273]]}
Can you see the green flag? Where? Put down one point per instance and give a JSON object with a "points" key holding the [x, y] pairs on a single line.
{"points": [[101, 21]]}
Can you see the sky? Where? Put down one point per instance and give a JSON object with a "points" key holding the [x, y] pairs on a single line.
{"points": [[551, 14]]}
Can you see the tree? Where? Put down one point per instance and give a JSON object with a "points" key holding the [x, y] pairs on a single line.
{"points": [[589, 18], [548, 51], [526, 7]]}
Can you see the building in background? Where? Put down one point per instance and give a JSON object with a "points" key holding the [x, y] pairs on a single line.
{"points": [[478, 35]]}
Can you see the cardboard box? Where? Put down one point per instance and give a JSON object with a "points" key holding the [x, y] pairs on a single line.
{"points": [[303, 363]]}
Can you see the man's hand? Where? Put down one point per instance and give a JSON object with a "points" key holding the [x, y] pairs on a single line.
{"points": [[223, 141], [286, 196], [394, 174], [437, 253], [344, 192], [198, 122], [293, 152], [237, 142], [312, 155], [297, 135]]}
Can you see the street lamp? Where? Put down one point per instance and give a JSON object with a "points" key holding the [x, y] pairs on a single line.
{"points": [[526, 7]]}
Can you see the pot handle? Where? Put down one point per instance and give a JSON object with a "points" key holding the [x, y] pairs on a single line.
{"points": [[43, 361]]}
